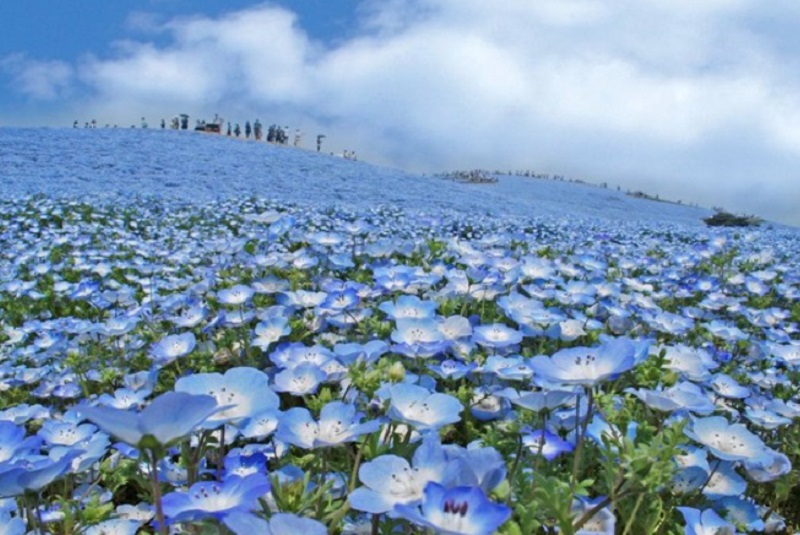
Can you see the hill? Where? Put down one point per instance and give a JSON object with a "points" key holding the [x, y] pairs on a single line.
{"points": [[201, 167]]}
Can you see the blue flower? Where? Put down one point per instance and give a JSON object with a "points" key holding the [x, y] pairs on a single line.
{"points": [[741, 513], [115, 526], [338, 423], [33, 473], [587, 366], [682, 396], [452, 369], [278, 524], [409, 307], [456, 511], [546, 444], [475, 466], [13, 441], [172, 347], [496, 336], [703, 522], [418, 338], [165, 420], [729, 442], [300, 380], [236, 295], [216, 499], [424, 410], [727, 387], [244, 391], [270, 331]]}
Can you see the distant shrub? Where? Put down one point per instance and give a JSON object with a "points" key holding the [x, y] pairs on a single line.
{"points": [[726, 219]]}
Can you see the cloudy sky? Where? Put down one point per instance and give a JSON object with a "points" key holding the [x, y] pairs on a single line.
{"points": [[687, 99]]}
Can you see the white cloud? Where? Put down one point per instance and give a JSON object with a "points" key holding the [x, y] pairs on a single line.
{"points": [[45, 80], [683, 98]]}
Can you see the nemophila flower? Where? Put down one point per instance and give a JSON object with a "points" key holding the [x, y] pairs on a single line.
{"points": [[300, 380], [543, 400], [568, 330], [352, 353], [726, 441], [693, 363], [338, 423], [237, 463], [455, 328], [486, 406], [476, 465], [243, 391], [422, 409], [211, 499], [669, 323], [124, 398], [512, 368], [576, 293], [789, 353], [142, 512], [705, 522], [118, 325], [725, 331], [724, 481], [339, 301], [390, 480], [295, 354], [301, 299], [546, 444], [13, 441], [496, 336], [455, 511], [261, 425], [172, 347], [278, 524], [452, 369], [235, 295], [57, 433], [32, 473], [418, 338], [768, 467], [683, 396], [11, 526], [587, 366], [114, 526], [165, 420], [269, 331], [727, 387], [238, 317], [740, 512], [689, 479], [409, 307], [191, 316], [765, 419]]}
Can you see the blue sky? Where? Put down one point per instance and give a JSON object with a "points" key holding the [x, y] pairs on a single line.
{"points": [[698, 101]]}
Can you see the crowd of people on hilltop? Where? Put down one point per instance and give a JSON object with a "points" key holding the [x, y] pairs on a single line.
{"points": [[275, 134]]}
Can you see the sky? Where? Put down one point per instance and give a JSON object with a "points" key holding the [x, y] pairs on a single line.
{"points": [[691, 101]]}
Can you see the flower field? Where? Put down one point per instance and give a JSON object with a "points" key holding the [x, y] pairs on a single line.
{"points": [[259, 364]]}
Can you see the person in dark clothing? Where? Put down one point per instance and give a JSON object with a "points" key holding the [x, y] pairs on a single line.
{"points": [[229, 128], [247, 129], [319, 141], [184, 121], [163, 124], [271, 134], [236, 130], [257, 130]]}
